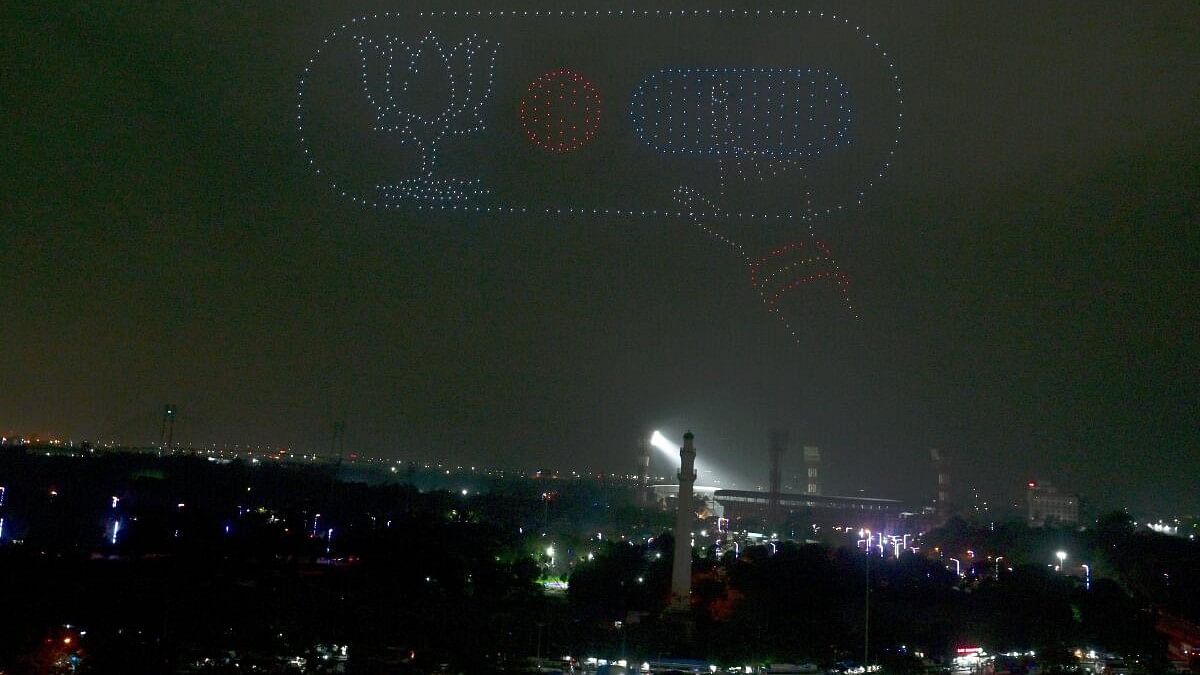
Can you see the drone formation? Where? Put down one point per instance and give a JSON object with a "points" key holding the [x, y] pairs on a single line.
{"points": [[561, 111], [431, 79]]}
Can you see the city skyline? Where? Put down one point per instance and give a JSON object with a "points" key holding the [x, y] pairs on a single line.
{"points": [[587, 338], [998, 501], [1021, 278]]}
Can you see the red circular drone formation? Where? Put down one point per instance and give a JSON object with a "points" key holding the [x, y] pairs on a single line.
{"points": [[561, 111]]}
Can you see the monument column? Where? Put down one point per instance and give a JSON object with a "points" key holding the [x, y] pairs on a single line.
{"points": [[681, 565]]}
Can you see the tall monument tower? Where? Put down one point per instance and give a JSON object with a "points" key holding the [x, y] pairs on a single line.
{"points": [[166, 438], [779, 441], [643, 478], [943, 504], [681, 565]]}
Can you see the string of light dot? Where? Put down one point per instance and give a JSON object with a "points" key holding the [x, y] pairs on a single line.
{"points": [[458, 196], [687, 197], [560, 111], [461, 115], [712, 132], [691, 111], [823, 258]]}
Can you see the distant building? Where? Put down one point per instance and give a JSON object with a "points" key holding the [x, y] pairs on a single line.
{"points": [[944, 505], [820, 509], [666, 496], [1045, 504], [812, 467]]}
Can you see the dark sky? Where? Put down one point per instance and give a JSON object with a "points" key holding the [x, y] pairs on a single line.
{"points": [[1024, 277]]}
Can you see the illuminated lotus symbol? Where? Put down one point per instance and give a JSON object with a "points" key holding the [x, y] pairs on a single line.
{"points": [[422, 93]]}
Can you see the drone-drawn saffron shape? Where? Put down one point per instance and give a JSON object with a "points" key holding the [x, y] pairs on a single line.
{"points": [[783, 269], [792, 265], [394, 73]]}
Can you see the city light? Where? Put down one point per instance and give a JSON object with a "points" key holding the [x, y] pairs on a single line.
{"points": [[447, 313]]}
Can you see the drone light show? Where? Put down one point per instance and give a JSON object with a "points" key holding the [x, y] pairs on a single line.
{"points": [[756, 127], [561, 112], [716, 111]]}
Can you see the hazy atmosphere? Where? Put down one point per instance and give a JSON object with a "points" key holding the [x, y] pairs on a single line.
{"points": [[1023, 279]]}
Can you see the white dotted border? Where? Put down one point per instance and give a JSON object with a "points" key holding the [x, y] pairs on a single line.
{"points": [[645, 13]]}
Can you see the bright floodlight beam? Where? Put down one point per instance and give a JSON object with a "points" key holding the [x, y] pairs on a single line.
{"points": [[659, 441], [670, 450]]}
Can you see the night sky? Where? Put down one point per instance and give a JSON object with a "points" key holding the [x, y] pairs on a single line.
{"points": [[1024, 277]]}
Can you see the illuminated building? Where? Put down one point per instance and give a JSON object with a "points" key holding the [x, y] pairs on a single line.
{"points": [[812, 470], [819, 509], [1046, 505], [945, 507]]}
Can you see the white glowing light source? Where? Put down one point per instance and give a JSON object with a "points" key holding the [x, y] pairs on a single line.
{"points": [[670, 451], [659, 441]]}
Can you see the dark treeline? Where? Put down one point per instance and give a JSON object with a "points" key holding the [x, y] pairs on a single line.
{"points": [[1162, 571], [807, 603], [248, 564]]}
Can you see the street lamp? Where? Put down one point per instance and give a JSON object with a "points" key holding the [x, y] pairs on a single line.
{"points": [[1062, 556], [957, 566], [1087, 576]]}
